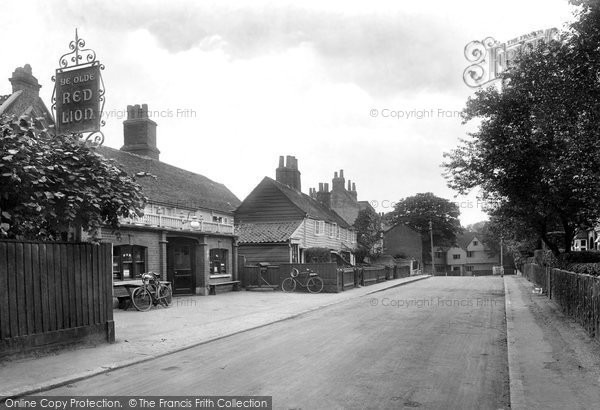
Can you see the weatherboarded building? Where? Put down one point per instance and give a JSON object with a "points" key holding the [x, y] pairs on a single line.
{"points": [[277, 223]]}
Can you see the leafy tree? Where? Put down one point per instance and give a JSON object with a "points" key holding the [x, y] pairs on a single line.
{"points": [[536, 154], [417, 211], [368, 234], [516, 238], [477, 227], [49, 184]]}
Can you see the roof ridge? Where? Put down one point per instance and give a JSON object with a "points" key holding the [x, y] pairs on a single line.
{"points": [[174, 185], [9, 100], [285, 189], [163, 163]]}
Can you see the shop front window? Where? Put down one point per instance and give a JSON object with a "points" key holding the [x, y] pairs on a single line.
{"points": [[129, 262], [218, 261]]}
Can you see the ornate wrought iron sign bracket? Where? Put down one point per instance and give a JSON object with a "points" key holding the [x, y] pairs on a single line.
{"points": [[78, 97]]}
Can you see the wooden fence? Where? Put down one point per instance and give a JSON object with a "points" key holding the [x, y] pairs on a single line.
{"points": [[250, 276], [579, 297], [54, 293], [348, 278], [401, 272], [577, 294], [327, 271], [536, 274], [334, 279]]}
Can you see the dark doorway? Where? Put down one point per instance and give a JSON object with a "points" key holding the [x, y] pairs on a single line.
{"points": [[181, 265]]}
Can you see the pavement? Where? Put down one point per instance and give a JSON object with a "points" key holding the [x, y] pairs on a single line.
{"points": [[553, 363], [190, 321]]}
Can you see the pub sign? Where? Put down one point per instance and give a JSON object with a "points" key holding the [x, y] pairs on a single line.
{"points": [[78, 98]]}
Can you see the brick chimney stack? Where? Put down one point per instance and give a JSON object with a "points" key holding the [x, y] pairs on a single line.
{"points": [[337, 184], [288, 173], [353, 190], [323, 195], [140, 132], [23, 80]]}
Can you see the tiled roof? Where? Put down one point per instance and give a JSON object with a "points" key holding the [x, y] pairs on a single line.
{"points": [[174, 185], [362, 205], [463, 240], [309, 205], [19, 103], [387, 228], [266, 232]]}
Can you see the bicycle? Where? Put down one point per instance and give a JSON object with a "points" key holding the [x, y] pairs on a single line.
{"points": [[152, 292], [313, 282]]}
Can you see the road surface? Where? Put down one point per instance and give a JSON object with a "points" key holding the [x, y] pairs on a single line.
{"points": [[436, 343]]}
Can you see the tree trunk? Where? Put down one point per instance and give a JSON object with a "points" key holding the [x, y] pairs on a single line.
{"points": [[569, 235], [551, 245]]}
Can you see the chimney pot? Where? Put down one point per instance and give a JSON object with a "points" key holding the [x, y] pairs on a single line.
{"points": [[320, 187], [335, 174], [326, 186], [287, 173], [349, 186], [23, 80], [341, 173], [353, 186]]}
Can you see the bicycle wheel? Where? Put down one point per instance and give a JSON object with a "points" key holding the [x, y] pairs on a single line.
{"points": [[165, 296], [288, 285], [314, 284], [142, 299]]}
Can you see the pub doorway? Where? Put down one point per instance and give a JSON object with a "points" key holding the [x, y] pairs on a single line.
{"points": [[181, 265]]}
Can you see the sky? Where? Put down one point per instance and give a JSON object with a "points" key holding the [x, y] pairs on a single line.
{"points": [[374, 87]]}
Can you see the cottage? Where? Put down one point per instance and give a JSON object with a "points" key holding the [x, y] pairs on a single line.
{"points": [[469, 256], [276, 223], [187, 230]]}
